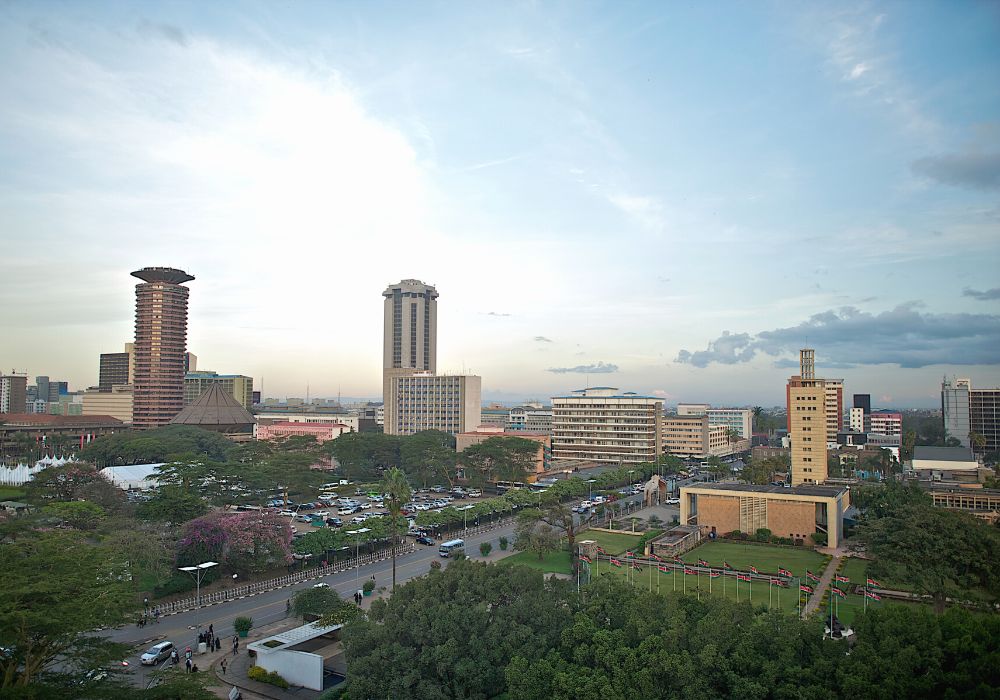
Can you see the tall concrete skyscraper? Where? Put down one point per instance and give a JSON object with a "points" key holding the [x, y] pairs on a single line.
{"points": [[161, 311], [410, 340], [807, 422]]}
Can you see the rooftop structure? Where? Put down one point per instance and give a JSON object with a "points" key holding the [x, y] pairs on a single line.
{"points": [[217, 411]]}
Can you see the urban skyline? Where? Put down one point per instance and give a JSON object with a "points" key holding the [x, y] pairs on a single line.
{"points": [[685, 246]]}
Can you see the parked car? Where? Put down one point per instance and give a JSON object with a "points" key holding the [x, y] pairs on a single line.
{"points": [[156, 653], [424, 539], [673, 501], [303, 518], [335, 522], [437, 489], [287, 513], [475, 493], [599, 499]]}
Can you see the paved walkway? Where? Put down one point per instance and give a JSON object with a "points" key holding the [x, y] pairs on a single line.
{"points": [[824, 583]]}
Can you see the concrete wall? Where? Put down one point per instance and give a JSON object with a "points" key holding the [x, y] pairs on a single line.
{"points": [[296, 667], [791, 518], [720, 512]]}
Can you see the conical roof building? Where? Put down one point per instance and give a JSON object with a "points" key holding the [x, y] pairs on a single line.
{"points": [[216, 410]]}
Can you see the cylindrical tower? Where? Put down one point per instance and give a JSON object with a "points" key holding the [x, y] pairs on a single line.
{"points": [[161, 306]]}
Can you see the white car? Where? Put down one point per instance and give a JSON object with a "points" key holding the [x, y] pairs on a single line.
{"points": [[673, 501], [599, 499], [321, 514], [156, 653], [475, 493], [287, 513]]}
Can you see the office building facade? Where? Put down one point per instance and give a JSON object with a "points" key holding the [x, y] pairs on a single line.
{"points": [[409, 336], [239, 386], [13, 393], [984, 417], [115, 369], [425, 401], [116, 403], [738, 419], [161, 313], [956, 409], [602, 424], [807, 422]]}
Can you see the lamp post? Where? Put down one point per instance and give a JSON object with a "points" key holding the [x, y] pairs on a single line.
{"points": [[357, 551], [198, 572], [590, 484]]}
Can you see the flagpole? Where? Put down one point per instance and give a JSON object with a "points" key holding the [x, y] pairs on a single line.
{"points": [[750, 586], [798, 605], [769, 587]]}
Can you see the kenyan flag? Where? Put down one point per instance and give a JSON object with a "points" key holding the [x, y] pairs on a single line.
{"points": [[837, 591], [784, 572], [615, 562], [810, 575], [753, 569], [873, 582], [726, 565], [805, 589], [842, 579]]}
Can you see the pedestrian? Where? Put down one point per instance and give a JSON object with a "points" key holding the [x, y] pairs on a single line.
{"points": [[187, 665], [194, 668], [218, 643], [236, 645], [145, 603], [211, 629], [223, 665], [288, 606], [156, 615]]}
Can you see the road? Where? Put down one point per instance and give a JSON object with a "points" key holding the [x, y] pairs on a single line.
{"points": [[183, 628]]}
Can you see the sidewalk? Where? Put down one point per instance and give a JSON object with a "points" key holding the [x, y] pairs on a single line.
{"points": [[824, 583]]}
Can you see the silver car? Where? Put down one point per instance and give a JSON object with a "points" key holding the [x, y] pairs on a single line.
{"points": [[156, 653]]}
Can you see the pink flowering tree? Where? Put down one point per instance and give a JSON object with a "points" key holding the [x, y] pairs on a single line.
{"points": [[244, 542]]}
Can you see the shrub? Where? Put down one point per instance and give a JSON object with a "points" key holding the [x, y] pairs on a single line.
{"points": [[256, 673], [175, 584], [503, 543], [243, 624], [435, 565], [485, 548], [368, 586], [763, 535], [819, 538]]}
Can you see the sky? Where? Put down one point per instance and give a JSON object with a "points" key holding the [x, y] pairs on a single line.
{"points": [[669, 198]]}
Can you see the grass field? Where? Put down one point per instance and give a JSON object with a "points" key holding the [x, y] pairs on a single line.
{"points": [[768, 559], [9, 493], [551, 563], [613, 543], [759, 592]]}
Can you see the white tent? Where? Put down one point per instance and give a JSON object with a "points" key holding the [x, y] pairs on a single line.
{"points": [[132, 476]]}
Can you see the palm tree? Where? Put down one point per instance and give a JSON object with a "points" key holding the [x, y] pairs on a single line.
{"points": [[757, 413], [398, 492], [978, 441]]}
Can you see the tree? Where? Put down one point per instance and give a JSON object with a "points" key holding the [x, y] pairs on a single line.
{"points": [[57, 587], [531, 534], [559, 517], [321, 602], [61, 483], [172, 504], [428, 456], [365, 455], [160, 445], [500, 459], [885, 499], [398, 493], [977, 441], [938, 552], [758, 412], [79, 515]]}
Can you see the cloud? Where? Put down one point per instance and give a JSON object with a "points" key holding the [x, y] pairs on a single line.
{"points": [[542, 339], [728, 349], [496, 313], [978, 171], [987, 295], [163, 31], [647, 211], [848, 337], [599, 368], [858, 70]]}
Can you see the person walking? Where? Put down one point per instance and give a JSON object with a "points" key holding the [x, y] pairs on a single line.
{"points": [[236, 645], [218, 643], [156, 615], [187, 665], [223, 665], [211, 630]]}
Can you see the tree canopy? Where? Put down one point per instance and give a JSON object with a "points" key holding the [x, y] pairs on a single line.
{"points": [[159, 445], [499, 458]]}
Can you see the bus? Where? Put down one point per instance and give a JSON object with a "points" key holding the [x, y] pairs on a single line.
{"points": [[451, 546]]}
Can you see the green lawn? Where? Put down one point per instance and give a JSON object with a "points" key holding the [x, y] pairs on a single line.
{"points": [[759, 592], [551, 563], [9, 493], [768, 559], [613, 543]]}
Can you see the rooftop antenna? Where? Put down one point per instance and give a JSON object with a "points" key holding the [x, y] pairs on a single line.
{"points": [[307, 392]]}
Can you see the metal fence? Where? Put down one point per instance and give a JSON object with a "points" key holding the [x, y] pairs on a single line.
{"points": [[281, 581], [311, 573]]}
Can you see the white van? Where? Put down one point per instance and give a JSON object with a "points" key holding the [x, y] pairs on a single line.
{"points": [[450, 547]]}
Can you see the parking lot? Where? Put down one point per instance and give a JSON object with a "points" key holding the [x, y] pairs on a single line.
{"points": [[333, 509]]}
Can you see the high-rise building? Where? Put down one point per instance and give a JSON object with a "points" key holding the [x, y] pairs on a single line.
{"points": [[425, 401], [860, 421], [410, 336], [239, 386], [161, 311], [13, 393], [807, 422], [984, 417], [834, 405], [115, 369], [601, 424], [116, 403], [956, 409], [886, 423]]}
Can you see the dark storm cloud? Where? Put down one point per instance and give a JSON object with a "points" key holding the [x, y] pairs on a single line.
{"points": [[849, 337]]}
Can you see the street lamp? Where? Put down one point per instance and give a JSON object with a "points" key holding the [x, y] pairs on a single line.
{"points": [[357, 551], [198, 572], [590, 483]]}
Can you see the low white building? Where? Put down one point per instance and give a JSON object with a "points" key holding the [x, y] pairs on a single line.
{"points": [[303, 656], [133, 476], [943, 462]]}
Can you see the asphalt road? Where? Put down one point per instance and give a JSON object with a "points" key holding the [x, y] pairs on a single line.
{"points": [[183, 628]]}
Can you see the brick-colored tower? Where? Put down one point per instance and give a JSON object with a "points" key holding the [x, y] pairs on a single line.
{"points": [[161, 307]]}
